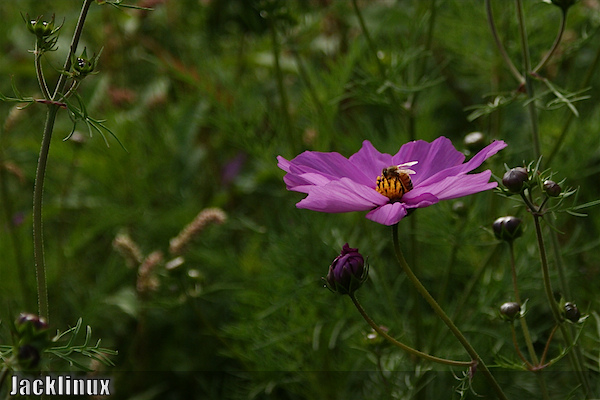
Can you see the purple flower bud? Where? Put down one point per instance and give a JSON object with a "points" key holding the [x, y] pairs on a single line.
{"points": [[507, 228], [572, 312], [515, 178], [552, 188], [28, 356], [347, 272], [510, 310], [37, 323]]}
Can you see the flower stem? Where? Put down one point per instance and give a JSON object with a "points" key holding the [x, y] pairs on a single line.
{"points": [[38, 191], [444, 317], [528, 81], [37, 60], [525, 329], [401, 345], [501, 48], [575, 361], [561, 30]]}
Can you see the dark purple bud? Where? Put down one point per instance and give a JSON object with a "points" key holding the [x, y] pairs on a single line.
{"points": [[26, 320], [510, 310], [563, 4], [28, 356], [507, 228], [515, 178], [347, 272], [552, 188], [572, 312]]}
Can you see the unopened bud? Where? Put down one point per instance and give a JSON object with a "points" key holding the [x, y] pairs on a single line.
{"points": [[510, 310], [347, 272], [28, 356], [515, 178], [507, 228], [552, 188], [572, 312]]}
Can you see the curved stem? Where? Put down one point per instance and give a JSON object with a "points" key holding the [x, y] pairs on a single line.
{"points": [[516, 344], [444, 317], [528, 81], [37, 60], [401, 345], [561, 30], [501, 48], [575, 361]]}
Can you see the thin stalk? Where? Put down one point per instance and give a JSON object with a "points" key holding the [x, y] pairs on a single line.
{"points": [[525, 328], [444, 317], [561, 31], [516, 344], [38, 191], [62, 80], [522, 320], [37, 60], [401, 345], [575, 361], [503, 53], [528, 81]]}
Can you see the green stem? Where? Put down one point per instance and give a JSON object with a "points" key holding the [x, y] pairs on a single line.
{"points": [[528, 81], [62, 80], [37, 60], [524, 326], [444, 317], [38, 191], [561, 30], [401, 345], [575, 361], [503, 53]]}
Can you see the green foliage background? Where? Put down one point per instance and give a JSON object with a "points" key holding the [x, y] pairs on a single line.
{"points": [[191, 91]]}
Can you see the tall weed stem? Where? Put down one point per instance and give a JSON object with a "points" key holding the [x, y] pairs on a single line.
{"points": [[38, 191], [444, 317]]}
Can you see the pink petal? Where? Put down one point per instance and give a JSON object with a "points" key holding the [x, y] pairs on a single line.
{"points": [[344, 195], [470, 165], [370, 162], [388, 214], [432, 157]]}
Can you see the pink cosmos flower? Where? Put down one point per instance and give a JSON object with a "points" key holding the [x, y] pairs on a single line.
{"points": [[381, 183]]}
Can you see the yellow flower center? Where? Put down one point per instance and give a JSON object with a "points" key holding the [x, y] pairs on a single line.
{"points": [[395, 181]]}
